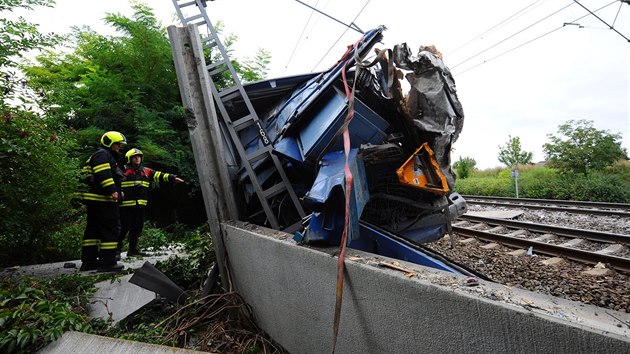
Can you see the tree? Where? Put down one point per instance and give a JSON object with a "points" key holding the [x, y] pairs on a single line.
{"points": [[579, 148], [512, 154], [36, 177], [127, 82], [464, 166], [17, 37]]}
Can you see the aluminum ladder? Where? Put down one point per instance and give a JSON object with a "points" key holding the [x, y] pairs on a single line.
{"points": [[194, 12]]}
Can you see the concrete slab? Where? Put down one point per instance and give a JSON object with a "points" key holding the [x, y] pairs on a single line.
{"points": [[598, 272], [612, 249], [518, 233], [291, 291], [117, 299], [81, 343], [573, 243], [497, 214], [497, 229], [51, 270], [553, 261], [489, 246], [545, 238], [518, 253]]}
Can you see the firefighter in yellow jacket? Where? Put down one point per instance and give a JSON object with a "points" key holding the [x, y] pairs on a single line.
{"points": [[103, 178], [136, 191]]}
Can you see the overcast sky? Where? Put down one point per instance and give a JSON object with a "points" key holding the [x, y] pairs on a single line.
{"points": [[522, 68]]}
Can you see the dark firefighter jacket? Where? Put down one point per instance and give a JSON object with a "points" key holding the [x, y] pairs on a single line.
{"points": [[102, 177], [137, 183]]}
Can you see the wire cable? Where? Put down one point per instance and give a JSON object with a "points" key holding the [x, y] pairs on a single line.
{"points": [[297, 43], [497, 26], [341, 36], [617, 15], [532, 40], [518, 32], [604, 22]]}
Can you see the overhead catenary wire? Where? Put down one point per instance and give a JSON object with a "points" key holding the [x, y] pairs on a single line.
{"points": [[297, 43], [618, 11], [497, 26], [512, 35], [604, 22], [532, 40], [341, 36]]}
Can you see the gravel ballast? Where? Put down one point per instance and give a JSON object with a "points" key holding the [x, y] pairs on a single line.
{"points": [[565, 280]]}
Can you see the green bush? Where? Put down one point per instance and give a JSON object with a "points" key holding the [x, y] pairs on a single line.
{"points": [[485, 186], [36, 183], [153, 238], [65, 244], [539, 183], [601, 188], [190, 270], [609, 185], [34, 312]]}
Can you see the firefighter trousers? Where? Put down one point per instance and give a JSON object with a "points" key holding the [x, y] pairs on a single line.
{"points": [[100, 238], [132, 223]]}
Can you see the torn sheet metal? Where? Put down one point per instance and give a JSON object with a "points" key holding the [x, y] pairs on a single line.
{"points": [[327, 199]]}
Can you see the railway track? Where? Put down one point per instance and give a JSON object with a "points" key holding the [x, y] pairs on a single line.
{"points": [[576, 207], [581, 245], [549, 232]]}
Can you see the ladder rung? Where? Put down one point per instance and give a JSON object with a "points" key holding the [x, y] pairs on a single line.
{"points": [[256, 154], [274, 190], [228, 91], [192, 18], [218, 71], [214, 65], [185, 4], [211, 42], [242, 123]]}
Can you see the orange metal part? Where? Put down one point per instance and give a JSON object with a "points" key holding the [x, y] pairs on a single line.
{"points": [[422, 171]]}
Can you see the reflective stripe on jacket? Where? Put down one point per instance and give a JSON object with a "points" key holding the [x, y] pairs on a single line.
{"points": [[102, 177], [137, 182]]}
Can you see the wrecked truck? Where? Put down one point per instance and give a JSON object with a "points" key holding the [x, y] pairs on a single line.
{"points": [[386, 180]]}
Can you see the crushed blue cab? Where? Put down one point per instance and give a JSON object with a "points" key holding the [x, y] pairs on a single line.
{"points": [[303, 117]]}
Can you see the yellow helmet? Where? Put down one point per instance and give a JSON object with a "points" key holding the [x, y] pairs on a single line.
{"points": [[131, 153], [112, 137]]}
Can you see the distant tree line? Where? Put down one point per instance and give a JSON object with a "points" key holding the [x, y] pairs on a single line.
{"points": [[579, 148]]}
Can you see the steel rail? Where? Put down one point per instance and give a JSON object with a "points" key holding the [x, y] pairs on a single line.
{"points": [[590, 235], [575, 203], [620, 213], [619, 263]]}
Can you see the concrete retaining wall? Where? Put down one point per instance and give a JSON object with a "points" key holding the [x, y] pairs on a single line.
{"points": [[291, 289]]}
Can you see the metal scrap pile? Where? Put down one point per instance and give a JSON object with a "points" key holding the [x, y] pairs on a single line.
{"points": [[400, 148]]}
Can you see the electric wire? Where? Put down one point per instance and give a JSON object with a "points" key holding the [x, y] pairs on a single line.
{"points": [[495, 27], [604, 22], [341, 36], [299, 38], [532, 40], [308, 35], [617, 15], [514, 34]]}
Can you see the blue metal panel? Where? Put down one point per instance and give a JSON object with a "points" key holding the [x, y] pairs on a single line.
{"points": [[375, 241], [323, 133], [424, 234], [327, 198]]}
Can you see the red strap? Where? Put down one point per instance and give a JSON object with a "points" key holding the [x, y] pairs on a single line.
{"points": [[349, 178]]}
